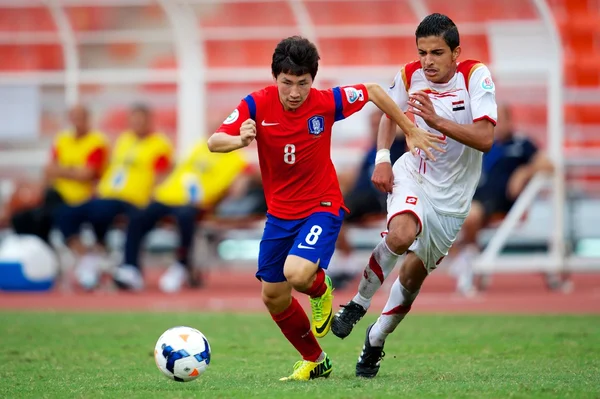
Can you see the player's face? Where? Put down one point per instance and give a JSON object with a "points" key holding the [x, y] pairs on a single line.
{"points": [[293, 90], [437, 60], [79, 118], [139, 122]]}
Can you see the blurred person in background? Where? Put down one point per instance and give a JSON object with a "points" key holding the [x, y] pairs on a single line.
{"points": [[362, 200], [246, 196], [192, 189], [79, 156], [506, 169], [140, 159]]}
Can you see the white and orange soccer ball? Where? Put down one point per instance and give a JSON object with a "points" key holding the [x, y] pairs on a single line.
{"points": [[182, 353]]}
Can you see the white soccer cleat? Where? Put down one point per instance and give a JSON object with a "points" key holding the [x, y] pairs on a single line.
{"points": [[87, 271], [129, 277], [173, 279]]}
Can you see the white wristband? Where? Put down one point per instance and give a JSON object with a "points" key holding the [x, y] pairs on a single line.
{"points": [[383, 155]]}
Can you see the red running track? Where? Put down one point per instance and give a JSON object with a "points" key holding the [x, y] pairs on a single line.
{"points": [[228, 290]]}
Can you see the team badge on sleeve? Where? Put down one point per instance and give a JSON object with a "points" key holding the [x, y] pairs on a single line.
{"points": [[353, 94], [232, 117], [316, 125], [487, 84]]}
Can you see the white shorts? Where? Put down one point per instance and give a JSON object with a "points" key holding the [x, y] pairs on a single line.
{"points": [[436, 232]]}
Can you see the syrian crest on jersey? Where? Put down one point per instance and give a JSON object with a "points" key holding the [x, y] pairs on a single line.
{"points": [[316, 125]]}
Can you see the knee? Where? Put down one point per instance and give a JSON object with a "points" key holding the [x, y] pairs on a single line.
{"points": [[276, 302], [299, 275], [399, 240]]}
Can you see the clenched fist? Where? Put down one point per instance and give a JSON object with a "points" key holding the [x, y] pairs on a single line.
{"points": [[247, 132]]}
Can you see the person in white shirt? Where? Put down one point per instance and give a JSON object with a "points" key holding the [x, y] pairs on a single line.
{"points": [[428, 199]]}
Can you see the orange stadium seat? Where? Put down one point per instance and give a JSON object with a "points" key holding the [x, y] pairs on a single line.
{"points": [[26, 19], [165, 120], [33, 57], [247, 14], [87, 18], [233, 53], [482, 10], [583, 114], [362, 12], [114, 121]]}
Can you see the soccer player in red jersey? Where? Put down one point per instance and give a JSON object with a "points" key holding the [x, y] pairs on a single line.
{"points": [[292, 124]]}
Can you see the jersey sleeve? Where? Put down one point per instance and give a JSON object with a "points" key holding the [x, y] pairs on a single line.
{"points": [[349, 100], [231, 125], [96, 160], [529, 150], [398, 91], [483, 95]]}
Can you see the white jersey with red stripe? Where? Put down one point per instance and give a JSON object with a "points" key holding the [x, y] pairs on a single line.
{"points": [[450, 182]]}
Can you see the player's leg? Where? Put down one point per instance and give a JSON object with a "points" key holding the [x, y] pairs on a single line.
{"points": [[129, 275], [405, 212], [278, 238], [69, 221], [308, 259], [423, 257], [181, 272], [403, 293]]}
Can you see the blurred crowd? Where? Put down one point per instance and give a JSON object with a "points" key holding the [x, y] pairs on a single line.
{"points": [[135, 184]]}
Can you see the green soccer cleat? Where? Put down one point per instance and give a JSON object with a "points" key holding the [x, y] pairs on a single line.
{"points": [[305, 370], [322, 311]]}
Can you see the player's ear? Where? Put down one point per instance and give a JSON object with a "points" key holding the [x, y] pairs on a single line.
{"points": [[456, 53]]}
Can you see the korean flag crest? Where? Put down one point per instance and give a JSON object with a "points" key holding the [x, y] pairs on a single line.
{"points": [[316, 125]]}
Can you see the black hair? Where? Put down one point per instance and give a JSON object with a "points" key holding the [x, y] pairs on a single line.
{"points": [[295, 55], [439, 25]]}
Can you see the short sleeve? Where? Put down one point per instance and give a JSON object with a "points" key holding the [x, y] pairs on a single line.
{"points": [[529, 150], [483, 95], [231, 125], [349, 100], [96, 160], [398, 91]]}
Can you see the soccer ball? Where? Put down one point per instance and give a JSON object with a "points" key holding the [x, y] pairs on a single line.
{"points": [[182, 353]]}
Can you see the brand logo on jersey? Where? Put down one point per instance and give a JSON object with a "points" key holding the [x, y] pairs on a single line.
{"points": [[458, 105], [353, 94], [316, 125], [487, 84], [232, 117], [411, 200]]}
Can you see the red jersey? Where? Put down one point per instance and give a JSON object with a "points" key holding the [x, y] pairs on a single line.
{"points": [[294, 147]]}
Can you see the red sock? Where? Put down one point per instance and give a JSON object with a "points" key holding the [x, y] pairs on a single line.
{"points": [[318, 287], [294, 324]]}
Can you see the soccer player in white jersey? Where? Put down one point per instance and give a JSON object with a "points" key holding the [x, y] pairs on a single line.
{"points": [[428, 198]]}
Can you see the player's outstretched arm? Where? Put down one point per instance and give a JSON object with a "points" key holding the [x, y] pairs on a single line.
{"points": [[478, 135], [418, 138], [223, 142]]}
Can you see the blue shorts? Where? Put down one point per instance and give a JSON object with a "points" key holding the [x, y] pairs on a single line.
{"points": [[312, 238]]}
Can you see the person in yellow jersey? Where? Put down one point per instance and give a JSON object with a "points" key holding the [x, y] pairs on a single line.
{"points": [[197, 183], [78, 159], [140, 158]]}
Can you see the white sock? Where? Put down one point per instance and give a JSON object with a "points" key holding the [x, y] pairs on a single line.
{"points": [[321, 357], [396, 308], [381, 264]]}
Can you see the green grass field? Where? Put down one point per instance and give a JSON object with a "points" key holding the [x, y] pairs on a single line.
{"points": [[66, 355]]}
